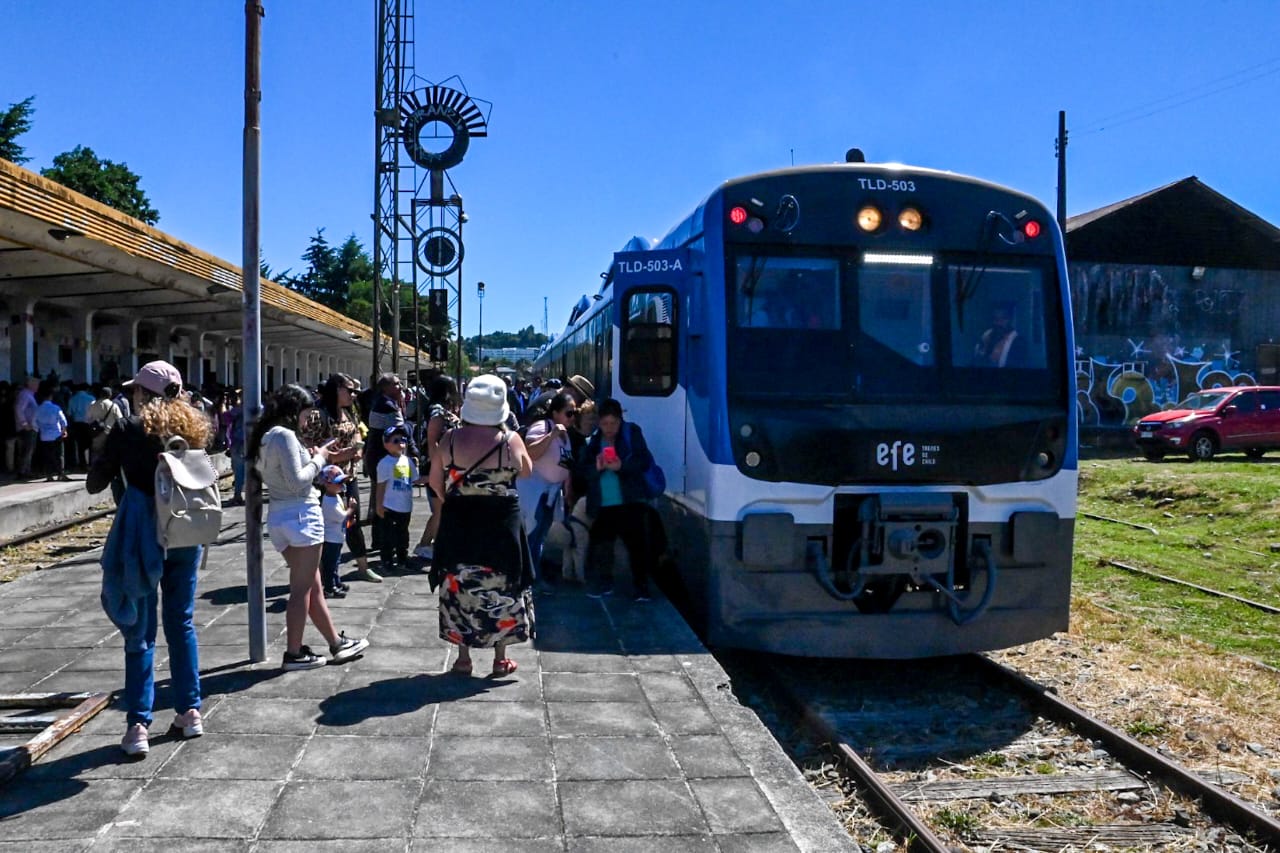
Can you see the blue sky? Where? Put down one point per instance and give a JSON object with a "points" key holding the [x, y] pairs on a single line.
{"points": [[615, 119]]}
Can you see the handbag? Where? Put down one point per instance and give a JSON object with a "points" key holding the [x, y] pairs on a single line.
{"points": [[654, 478]]}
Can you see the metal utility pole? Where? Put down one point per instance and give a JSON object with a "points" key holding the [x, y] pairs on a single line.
{"points": [[251, 329], [1061, 148], [480, 340]]}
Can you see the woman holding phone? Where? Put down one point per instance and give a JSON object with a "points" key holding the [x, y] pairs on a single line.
{"points": [[295, 523], [612, 464]]}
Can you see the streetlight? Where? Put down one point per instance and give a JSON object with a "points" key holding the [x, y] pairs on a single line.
{"points": [[480, 340]]}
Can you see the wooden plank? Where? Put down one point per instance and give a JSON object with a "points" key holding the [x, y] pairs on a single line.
{"points": [[42, 700], [1011, 786], [16, 725], [24, 756], [1139, 836]]}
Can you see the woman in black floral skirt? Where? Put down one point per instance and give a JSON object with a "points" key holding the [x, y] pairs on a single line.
{"points": [[481, 555]]}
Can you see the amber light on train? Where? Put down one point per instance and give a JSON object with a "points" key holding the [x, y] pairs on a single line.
{"points": [[869, 218], [910, 219]]}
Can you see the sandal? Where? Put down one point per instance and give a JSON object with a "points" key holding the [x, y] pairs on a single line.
{"points": [[461, 667], [504, 666]]}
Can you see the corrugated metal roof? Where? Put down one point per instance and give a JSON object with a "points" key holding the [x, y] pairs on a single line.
{"points": [[1184, 223]]}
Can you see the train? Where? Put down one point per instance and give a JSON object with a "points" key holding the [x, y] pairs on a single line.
{"points": [[859, 381]]}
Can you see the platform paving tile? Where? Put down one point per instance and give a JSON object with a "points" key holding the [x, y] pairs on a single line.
{"points": [[196, 808], [66, 845], [81, 682], [372, 809], [524, 686], [581, 758], [417, 636], [513, 719], [591, 687], [764, 842], [491, 758], [630, 807], [735, 804], [60, 602], [343, 714], [96, 756], [601, 718], [244, 715], [268, 681], [14, 636], [42, 661], [19, 682], [166, 845], [235, 756], [484, 809], [662, 687], [62, 808], [18, 617], [703, 756], [353, 758], [71, 638], [344, 845], [561, 661], [553, 844], [644, 844], [685, 718]]}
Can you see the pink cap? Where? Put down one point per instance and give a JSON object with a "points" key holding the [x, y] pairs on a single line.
{"points": [[159, 377]]}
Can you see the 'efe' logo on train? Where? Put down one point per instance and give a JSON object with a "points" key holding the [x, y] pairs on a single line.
{"points": [[891, 454]]}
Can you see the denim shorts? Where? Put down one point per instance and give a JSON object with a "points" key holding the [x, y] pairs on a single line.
{"points": [[296, 528]]}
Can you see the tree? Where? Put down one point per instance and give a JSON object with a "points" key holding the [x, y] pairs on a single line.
{"points": [[14, 122], [102, 180]]}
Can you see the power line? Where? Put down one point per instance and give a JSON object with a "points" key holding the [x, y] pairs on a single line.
{"points": [[1181, 98]]}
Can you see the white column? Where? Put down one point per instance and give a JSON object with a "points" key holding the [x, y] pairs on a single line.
{"points": [[82, 346], [22, 341]]}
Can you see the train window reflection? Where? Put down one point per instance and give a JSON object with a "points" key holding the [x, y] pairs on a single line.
{"points": [[648, 342], [787, 293], [997, 318], [895, 310]]}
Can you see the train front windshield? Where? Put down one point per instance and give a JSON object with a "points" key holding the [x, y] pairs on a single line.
{"points": [[891, 327]]}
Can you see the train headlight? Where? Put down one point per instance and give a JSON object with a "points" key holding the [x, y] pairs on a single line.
{"points": [[752, 459], [746, 430], [910, 219], [1044, 459], [869, 218]]}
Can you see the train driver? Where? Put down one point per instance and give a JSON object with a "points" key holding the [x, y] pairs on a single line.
{"points": [[1001, 345]]}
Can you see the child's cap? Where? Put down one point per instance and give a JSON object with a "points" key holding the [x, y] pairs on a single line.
{"points": [[392, 432], [333, 474]]}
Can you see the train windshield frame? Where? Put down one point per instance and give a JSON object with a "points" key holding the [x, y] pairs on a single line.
{"points": [[847, 325]]}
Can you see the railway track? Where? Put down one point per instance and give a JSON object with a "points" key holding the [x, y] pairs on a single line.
{"points": [[964, 753]]}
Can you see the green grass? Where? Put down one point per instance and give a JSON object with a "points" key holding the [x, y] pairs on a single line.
{"points": [[1215, 523]]}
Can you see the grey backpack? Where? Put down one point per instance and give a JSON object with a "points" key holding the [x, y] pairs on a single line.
{"points": [[188, 505]]}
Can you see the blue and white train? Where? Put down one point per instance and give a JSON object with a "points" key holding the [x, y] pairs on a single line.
{"points": [[858, 379]]}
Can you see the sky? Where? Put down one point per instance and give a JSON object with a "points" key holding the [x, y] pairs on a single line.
{"points": [[611, 120]]}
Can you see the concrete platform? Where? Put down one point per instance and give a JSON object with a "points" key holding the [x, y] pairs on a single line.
{"points": [[619, 732], [27, 503]]}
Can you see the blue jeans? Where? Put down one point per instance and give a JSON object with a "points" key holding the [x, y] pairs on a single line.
{"points": [[178, 604], [330, 557], [237, 471], [544, 514]]}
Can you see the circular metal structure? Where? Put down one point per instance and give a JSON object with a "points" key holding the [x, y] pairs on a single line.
{"points": [[439, 251], [434, 117]]}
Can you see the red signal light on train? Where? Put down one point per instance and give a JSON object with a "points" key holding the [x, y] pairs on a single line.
{"points": [[1031, 228], [738, 215]]}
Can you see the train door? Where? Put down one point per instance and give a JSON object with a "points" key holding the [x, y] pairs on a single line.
{"points": [[647, 289]]}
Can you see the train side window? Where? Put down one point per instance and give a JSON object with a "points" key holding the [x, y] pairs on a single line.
{"points": [[648, 349]]}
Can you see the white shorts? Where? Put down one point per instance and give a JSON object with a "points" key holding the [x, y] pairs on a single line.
{"points": [[298, 528]]}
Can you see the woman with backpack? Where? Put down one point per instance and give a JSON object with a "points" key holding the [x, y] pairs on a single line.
{"points": [[134, 563], [295, 522]]}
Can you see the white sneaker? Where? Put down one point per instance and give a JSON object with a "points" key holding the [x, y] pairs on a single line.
{"points": [[304, 659], [346, 648], [135, 743], [424, 552]]}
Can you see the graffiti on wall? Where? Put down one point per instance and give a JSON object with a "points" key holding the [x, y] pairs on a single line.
{"points": [[1144, 342]]}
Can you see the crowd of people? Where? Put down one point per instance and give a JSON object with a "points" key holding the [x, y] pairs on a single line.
{"points": [[527, 488]]}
